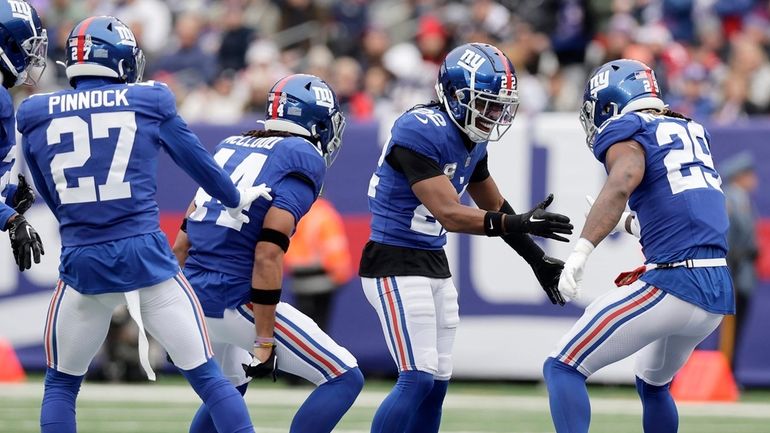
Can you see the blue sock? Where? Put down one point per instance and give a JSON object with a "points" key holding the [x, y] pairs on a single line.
{"points": [[568, 396], [202, 422], [57, 414], [402, 403], [326, 405], [225, 404], [659, 414], [428, 416]]}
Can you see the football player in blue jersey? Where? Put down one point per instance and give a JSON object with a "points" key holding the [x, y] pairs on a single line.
{"points": [[23, 47], [93, 153], [435, 152], [660, 163], [236, 268]]}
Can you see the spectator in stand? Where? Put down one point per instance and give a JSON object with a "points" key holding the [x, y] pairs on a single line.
{"points": [[318, 261], [738, 172], [150, 20], [432, 40], [222, 103], [265, 68], [235, 40], [691, 94], [189, 64], [347, 82], [749, 61]]}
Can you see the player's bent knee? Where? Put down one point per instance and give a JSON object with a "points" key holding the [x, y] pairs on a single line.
{"points": [[415, 382]]}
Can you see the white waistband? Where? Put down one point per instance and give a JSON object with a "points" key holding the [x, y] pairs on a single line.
{"points": [[690, 263]]}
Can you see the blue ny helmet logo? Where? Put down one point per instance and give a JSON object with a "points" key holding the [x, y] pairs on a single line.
{"points": [[471, 61], [324, 97]]}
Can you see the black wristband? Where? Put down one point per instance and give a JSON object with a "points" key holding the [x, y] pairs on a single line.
{"points": [[274, 237], [265, 297], [183, 227], [493, 224], [521, 242]]}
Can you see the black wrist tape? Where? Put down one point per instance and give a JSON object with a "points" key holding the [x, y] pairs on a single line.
{"points": [[183, 227], [265, 297], [493, 224], [506, 208], [274, 237]]}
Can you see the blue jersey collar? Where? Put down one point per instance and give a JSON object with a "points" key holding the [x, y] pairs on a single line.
{"points": [[92, 82]]}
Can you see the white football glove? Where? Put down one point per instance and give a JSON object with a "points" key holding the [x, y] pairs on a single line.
{"points": [[248, 195], [621, 226], [572, 274]]}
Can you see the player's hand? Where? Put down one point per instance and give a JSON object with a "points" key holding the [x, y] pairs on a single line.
{"points": [[248, 195], [627, 219], [25, 242], [260, 369], [24, 196], [572, 274], [547, 271], [545, 224]]}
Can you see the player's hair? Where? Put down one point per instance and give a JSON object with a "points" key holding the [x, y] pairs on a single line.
{"points": [[263, 133], [432, 104], [669, 113]]}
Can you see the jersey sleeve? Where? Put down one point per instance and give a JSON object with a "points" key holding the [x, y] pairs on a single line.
{"points": [[189, 154], [166, 101], [301, 160], [615, 130], [295, 195], [419, 133], [414, 166]]}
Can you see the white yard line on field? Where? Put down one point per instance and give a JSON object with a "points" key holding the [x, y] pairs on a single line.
{"points": [[149, 393]]}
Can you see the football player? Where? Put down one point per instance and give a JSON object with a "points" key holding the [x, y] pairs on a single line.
{"points": [[236, 268], [23, 48], [436, 151], [93, 152], [660, 163]]}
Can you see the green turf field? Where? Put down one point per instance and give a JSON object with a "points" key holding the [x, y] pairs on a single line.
{"points": [[167, 407]]}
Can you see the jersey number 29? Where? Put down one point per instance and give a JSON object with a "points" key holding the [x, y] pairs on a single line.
{"points": [[694, 156]]}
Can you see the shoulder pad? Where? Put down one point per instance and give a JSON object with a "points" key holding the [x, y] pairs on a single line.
{"points": [[615, 129], [421, 130]]}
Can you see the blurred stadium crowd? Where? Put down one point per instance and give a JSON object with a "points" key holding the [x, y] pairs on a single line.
{"points": [[221, 57]]}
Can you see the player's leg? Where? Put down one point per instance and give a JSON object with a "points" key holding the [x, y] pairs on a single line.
{"points": [[428, 417], [229, 358], [613, 327], [657, 364], [173, 316], [75, 328], [304, 350], [407, 313]]}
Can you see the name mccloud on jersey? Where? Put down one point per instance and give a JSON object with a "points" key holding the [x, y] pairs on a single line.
{"points": [[87, 99]]}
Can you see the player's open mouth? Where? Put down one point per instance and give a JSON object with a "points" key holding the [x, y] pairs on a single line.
{"points": [[484, 126]]}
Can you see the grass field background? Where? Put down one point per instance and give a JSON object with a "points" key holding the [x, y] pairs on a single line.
{"points": [[167, 407]]}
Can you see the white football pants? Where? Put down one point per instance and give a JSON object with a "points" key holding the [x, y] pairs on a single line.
{"points": [[419, 317], [662, 328], [77, 324], [302, 348]]}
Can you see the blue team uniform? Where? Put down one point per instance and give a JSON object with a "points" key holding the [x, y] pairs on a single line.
{"points": [[679, 204], [92, 152], [221, 271], [7, 156], [398, 216]]}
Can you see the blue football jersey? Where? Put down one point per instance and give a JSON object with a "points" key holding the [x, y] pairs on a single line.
{"points": [[223, 248], [92, 152], [7, 156], [679, 204], [398, 216]]}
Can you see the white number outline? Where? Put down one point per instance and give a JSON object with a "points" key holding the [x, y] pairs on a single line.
{"points": [[694, 152], [115, 187], [244, 175]]}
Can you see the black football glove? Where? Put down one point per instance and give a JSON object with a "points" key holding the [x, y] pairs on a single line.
{"points": [[262, 369], [24, 196], [538, 222], [547, 271], [25, 243]]}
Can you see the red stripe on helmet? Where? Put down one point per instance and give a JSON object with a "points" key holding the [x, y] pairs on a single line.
{"points": [[82, 38], [277, 97], [504, 59], [653, 90]]}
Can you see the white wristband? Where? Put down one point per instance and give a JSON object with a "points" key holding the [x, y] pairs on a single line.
{"points": [[584, 246]]}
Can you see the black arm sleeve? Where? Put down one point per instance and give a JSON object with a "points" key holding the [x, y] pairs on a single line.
{"points": [[414, 166], [522, 243], [481, 171]]}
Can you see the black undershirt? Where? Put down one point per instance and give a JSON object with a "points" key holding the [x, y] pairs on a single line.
{"points": [[380, 260]]}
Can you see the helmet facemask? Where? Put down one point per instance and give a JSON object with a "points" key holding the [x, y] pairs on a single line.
{"points": [[487, 116], [331, 150], [35, 49]]}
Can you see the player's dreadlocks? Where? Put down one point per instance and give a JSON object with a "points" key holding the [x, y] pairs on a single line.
{"points": [[669, 113], [263, 133]]}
